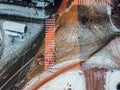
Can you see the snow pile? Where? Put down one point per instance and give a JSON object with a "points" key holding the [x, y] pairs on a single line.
{"points": [[112, 80]]}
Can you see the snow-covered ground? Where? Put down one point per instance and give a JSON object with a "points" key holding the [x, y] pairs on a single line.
{"points": [[75, 79], [41, 76], [13, 49], [101, 59], [107, 56], [72, 79], [22, 11], [112, 80]]}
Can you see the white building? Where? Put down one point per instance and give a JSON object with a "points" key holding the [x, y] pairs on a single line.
{"points": [[14, 29]]}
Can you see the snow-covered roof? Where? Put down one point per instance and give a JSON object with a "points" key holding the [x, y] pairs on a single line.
{"points": [[14, 26]]}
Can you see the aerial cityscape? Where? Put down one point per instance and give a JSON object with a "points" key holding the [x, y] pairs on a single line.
{"points": [[59, 44]]}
